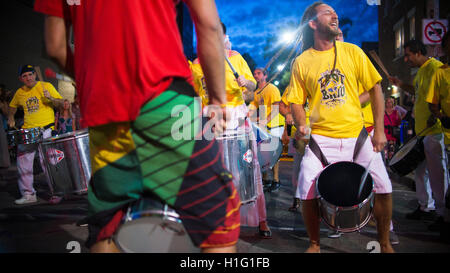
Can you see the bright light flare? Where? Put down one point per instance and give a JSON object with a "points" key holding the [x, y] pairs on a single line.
{"points": [[288, 37]]}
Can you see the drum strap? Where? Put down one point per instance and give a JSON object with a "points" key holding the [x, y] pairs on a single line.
{"points": [[316, 150], [359, 143], [48, 126]]}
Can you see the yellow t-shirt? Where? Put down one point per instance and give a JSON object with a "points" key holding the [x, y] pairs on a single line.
{"points": [[38, 110], [439, 93], [421, 84], [285, 101], [233, 90], [367, 115], [268, 96], [335, 110]]}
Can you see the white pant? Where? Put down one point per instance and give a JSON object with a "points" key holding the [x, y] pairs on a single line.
{"points": [[25, 160], [336, 150], [432, 175]]}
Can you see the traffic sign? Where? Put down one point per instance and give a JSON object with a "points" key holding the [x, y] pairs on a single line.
{"points": [[433, 30]]}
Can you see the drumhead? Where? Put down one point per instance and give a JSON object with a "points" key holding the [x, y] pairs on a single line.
{"points": [[153, 234], [339, 183], [404, 150]]}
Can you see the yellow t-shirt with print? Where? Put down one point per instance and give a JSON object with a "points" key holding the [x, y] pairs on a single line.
{"points": [[266, 97], [335, 109], [421, 84], [439, 93], [38, 110], [285, 101], [233, 90]]}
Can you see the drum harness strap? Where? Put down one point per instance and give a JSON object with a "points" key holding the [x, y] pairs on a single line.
{"points": [[49, 125], [359, 143]]}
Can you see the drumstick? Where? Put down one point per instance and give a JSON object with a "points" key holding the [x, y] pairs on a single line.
{"points": [[379, 62], [39, 74], [366, 172]]}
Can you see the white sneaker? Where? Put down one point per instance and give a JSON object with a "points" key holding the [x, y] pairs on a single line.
{"points": [[334, 233], [26, 199]]}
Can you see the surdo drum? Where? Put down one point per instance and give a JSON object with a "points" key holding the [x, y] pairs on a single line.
{"points": [[269, 148], [24, 136], [67, 162], [238, 159], [408, 157], [149, 226], [337, 187]]}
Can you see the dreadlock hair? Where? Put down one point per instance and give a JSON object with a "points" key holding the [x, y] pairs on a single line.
{"points": [[308, 33]]}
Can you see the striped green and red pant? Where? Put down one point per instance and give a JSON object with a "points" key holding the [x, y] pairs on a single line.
{"points": [[131, 159]]}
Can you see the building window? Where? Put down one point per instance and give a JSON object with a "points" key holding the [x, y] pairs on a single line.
{"points": [[412, 28], [399, 38], [412, 23]]}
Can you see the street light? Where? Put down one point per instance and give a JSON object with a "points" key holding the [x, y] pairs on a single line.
{"points": [[276, 83], [280, 67]]}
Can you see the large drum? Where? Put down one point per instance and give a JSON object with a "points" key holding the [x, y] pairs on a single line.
{"points": [[238, 159], [24, 136], [340, 207], [150, 226], [408, 157], [67, 162], [269, 148]]}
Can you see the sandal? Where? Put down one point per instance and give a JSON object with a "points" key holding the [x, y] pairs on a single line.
{"points": [[265, 234], [295, 206]]}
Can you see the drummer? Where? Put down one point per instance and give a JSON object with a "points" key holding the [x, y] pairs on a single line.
{"points": [[267, 101], [133, 150], [438, 98], [431, 176], [236, 114], [323, 74], [37, 98]]}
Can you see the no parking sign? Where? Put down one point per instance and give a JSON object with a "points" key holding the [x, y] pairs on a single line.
{"points": [[433, 31]]}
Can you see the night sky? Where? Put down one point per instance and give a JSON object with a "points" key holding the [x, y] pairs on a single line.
{"points": [[251, 23]]}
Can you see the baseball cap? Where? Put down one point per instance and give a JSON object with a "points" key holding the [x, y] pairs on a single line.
{"points": [[26, 68]]}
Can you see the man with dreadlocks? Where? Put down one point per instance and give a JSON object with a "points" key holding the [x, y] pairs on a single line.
{"points": [[327, 74]]}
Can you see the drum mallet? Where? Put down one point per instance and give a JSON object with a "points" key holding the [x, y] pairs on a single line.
{"points": [[364, 176], [236, 75], [379, 62]]}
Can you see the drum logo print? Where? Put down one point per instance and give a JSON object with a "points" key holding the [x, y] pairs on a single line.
{"points": [[54, 156], [248, 156]]}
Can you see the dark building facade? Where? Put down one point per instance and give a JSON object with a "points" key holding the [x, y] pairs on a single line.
{"points": [[401, 21]]}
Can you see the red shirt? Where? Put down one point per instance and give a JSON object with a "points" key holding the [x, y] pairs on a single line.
{"points": [[126, 53], [390, 121]]}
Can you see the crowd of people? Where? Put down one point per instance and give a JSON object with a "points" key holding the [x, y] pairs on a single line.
{"points": [[333, 110]]}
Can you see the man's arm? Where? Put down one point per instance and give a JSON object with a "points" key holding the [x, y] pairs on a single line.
{"points": [[55, 37], [364, 98], [11, 121], [377, 102], [210, 47], [299, 115], [248, 84], [404, 86]]}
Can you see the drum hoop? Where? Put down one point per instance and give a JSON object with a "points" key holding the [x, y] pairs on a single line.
{"points": [[52, 140], [347, 208], [166, 215]]}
